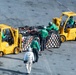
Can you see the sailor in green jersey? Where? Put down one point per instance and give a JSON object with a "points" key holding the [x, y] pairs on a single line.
{"points": [[70, 22], [43, 36], [3, 36], [36, 47], [52, 26]]}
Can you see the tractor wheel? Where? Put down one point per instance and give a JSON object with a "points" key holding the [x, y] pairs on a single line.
{"points": [[1, 53], [75, 39], [16, 50], [63, 38]]}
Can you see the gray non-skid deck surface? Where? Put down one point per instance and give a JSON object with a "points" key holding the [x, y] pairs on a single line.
{"points": [[16, 13], [33, 12], [58, 61]]}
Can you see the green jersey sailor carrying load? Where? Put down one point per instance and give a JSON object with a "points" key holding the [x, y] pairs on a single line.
{"points": [[52, 26]]}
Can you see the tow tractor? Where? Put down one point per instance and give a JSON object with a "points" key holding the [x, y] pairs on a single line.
{"points": [[12, 42], [62, 22]]}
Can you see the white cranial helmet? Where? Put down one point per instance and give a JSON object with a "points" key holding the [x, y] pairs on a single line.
{"points": [[50, 23], [29, 49], [44, 27]]}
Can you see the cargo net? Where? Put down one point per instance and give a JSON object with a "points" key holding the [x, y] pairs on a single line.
{"points": [[26, 42], [53, 41], [29, 32]]}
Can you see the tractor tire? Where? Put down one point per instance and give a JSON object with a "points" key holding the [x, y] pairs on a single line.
{"points": [[1, 53], [63, 38], [16, 50]]}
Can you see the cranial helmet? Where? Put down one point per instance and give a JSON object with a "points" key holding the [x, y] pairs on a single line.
{"points": [[50, 23], [29, 49], [71, 16], [36, 38], [44, 27]]}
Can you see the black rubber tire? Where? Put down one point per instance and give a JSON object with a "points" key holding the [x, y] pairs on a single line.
{"points": [[63, 38], [16, 50], [1, 53]]}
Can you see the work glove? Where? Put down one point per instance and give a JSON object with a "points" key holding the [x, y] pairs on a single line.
{"points": [[39, 50], [39, 53], [25, 61], [33, 62]]}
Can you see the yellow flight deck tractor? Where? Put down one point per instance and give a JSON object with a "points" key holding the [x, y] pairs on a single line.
{"points": [[11, 42], [62, 22]]}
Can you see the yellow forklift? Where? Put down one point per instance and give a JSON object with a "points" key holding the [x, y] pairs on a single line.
{"points": [[12, 41], [62, 22]]}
